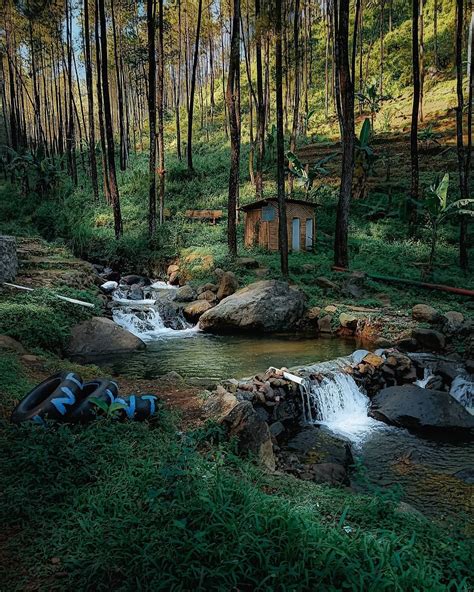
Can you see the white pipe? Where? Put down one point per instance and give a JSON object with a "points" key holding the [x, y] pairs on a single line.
{"points": [[65, 298]]}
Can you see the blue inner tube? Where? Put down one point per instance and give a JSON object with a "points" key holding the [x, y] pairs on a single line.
{"points": [[138, 408], [105, 390], [54, 398]]}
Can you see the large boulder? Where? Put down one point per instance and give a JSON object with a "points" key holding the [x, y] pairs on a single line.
{"points": [[252, 433], [264, 306], [101, 336], [420, 409]]}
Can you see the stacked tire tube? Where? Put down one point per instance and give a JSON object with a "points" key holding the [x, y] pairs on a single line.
{"points": [[66, 398]]}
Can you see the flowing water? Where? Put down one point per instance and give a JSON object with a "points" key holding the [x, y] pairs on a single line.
{"points": [[393, 458], [390, 457]]}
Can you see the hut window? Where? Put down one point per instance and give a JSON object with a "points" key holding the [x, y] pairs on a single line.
{"points": [[268, 213]]}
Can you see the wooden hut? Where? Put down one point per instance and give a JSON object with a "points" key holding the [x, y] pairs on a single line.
{"points": [[261, 224]]}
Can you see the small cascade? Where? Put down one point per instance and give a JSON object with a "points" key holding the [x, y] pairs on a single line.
{"points": [[337, 402], [153, 316], [148, 324], [427, 376], [462, 389]]}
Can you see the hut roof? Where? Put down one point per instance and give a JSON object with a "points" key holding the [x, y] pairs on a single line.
{"points": [[263, 202]]}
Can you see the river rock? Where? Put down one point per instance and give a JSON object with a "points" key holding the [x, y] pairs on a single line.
{"points": [[423, 410], [330, 473], [264, 306], [173, 268], [252, 433], [325, 324], [185, 294], [135, 293], [130, 280], [174, 278], [108, 287], [227, 286], [206, 287], [425, 313], [429, 338], [100, 335], [209, 296], [454, 319], [318, 445], [194, 310], [348, 321], [109, 275]]}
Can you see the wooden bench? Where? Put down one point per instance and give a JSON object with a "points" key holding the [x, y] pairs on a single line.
{"points": [[204, 215]]}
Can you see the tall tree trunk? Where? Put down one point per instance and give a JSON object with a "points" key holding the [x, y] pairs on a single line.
{"points": [[422, 56], [177, 87], [233, 107], [296, 94], [463, 157], [193, 89], [100, 106], [415, 175], [109, 133], [435, 34], [151, 26], [14, 121], [90, 99], [70, 140], [159, 97], [282, 224], [120, 97], [260, 106], [346, 86]]}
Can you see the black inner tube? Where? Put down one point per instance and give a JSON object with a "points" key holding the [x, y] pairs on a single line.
{"points": [[43, 393]]}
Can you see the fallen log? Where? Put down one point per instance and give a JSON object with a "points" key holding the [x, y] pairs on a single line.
{"points": [[428, 286]]}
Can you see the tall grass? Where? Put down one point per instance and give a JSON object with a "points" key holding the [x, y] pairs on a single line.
{"points": [[139, 507]]}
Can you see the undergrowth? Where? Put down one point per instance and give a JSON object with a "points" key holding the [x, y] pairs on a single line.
{"points": [[130, 506], [40, 320]]}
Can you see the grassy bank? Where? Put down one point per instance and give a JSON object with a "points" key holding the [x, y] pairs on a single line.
{"points": [[142, 507]]}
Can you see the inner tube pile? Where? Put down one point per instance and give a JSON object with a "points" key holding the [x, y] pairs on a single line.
{"points": [[64, 397]]}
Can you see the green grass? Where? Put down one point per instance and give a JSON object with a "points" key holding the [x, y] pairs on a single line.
{"points": [[40, 320], [139, 507]]}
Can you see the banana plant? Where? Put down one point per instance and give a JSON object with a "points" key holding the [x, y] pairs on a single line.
{"points": [[364, 160], [372, 99], [306, 117], [305, 175], [438, 210], [38, 169]]}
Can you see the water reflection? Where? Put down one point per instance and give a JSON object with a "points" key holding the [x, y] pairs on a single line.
{"points": [[219, 357]]}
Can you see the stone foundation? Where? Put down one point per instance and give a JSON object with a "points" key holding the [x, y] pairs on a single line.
{"points": [[8, 258]]}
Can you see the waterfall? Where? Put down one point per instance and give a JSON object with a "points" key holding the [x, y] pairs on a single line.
{"points": [[148, 324], [338, 403], [152, 318]]}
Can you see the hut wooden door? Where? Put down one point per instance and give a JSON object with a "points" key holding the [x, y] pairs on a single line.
{"points": [[295, 235], [309, 234]]}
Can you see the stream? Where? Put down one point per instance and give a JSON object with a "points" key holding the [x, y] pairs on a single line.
{"points": [[390, 461]]}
